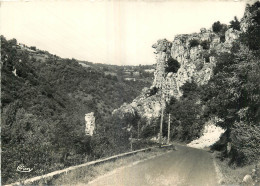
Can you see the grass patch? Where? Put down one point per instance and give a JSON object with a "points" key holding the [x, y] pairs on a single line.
{"points": [[231, 174], [89, 173]]}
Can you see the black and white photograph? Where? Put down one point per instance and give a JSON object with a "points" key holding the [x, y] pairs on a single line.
{"points": [[130, 92]]}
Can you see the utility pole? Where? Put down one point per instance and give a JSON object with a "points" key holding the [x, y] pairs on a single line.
{"points": [[131, 142], [138, 130], [169, 128], [161, 124]]}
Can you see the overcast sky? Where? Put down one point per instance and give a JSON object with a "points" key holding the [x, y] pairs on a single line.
{"points": [[112, 32]]}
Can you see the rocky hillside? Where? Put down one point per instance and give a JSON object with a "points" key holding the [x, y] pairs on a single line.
{"points": [[205, 75], [195, 54]]}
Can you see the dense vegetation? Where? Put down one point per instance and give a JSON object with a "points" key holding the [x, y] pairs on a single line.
{"points": [[232, 94], [43, 108], [185, 114]]}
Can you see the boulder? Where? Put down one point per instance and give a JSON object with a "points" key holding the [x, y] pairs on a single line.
{"points": [[248, 180]]}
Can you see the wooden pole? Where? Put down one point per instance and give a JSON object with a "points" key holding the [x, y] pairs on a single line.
{"points": [[131, 142], [169, 128], [161, 124], [138, 130]]}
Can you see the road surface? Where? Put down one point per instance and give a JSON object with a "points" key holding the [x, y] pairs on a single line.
{"points": [[185, 167]]}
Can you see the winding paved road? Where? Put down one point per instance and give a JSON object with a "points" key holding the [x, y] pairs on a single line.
{"points": [[185, 167]]}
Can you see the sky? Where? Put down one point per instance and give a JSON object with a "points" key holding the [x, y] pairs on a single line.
{"points": [[110, 32]]}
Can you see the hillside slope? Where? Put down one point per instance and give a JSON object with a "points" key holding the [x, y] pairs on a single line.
{"points": [[43, 109]]}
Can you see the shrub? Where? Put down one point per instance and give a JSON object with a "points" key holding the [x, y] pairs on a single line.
{"points": [[153, 91], [220, 29], [235, 24], [150, 130], [172, 65], [194, 43], [205, 45], [33, 48], [189, 89], [206, 56], [217, 27], [245, 143]]}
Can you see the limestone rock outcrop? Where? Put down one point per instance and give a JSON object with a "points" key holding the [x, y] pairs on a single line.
{"points": [[195, 54], [145, 105], [90, 123], [163, 51]]}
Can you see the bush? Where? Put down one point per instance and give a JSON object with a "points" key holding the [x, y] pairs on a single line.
{"points": [[153, 91], [206, 56], [172, 65], [235, 24], [33, 48], [220, 29], [194, 43], [245, 140], [189, 88], [217, 27], [205, 45], [150, 130]]}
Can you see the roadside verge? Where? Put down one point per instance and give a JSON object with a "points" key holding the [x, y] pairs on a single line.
{"points": [[48, 178]]}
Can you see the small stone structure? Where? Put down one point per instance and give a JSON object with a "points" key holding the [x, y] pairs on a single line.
{"points": [[90, 123]]}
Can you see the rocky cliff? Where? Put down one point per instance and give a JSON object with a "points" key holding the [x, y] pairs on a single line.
{"points": [[195, 54]]}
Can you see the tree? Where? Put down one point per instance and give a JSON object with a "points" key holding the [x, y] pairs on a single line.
{"points": [[232, 94], [12, 42], [220, 29], [235, 24], [33, 48], [216, 27]]}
